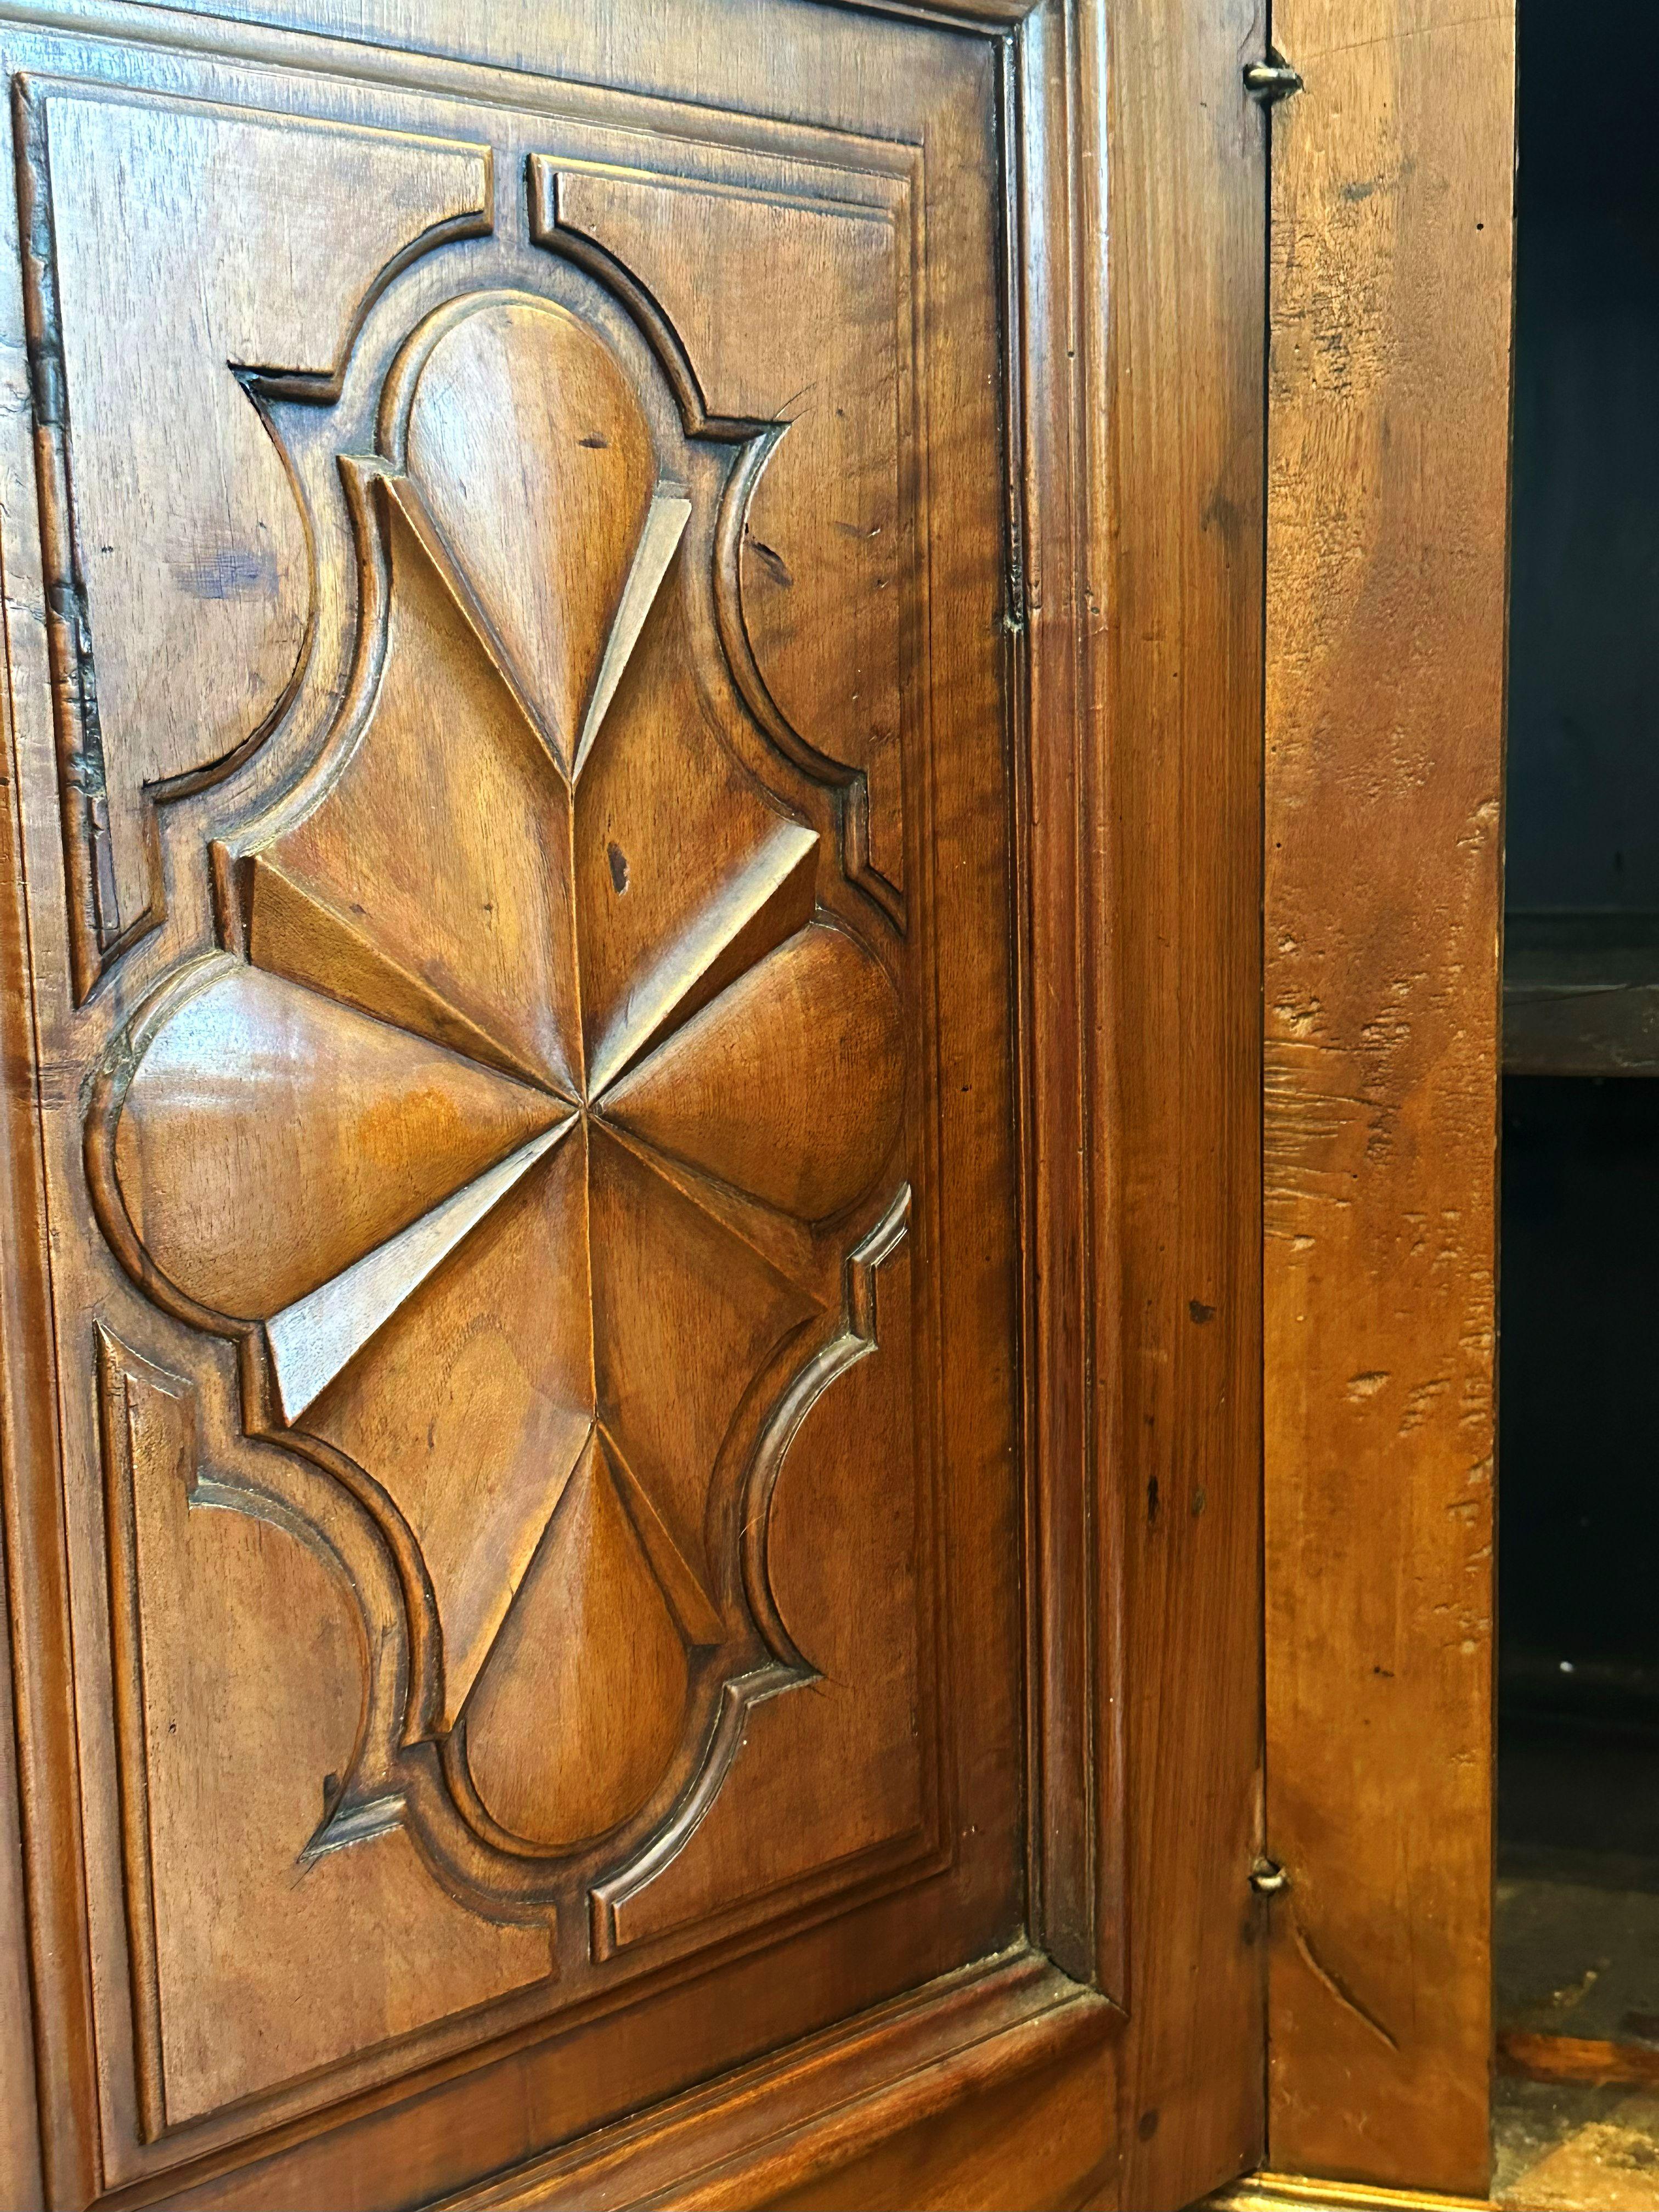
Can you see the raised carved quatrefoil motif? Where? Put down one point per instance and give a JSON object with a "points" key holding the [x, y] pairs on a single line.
{"points": [[513, 1129]]}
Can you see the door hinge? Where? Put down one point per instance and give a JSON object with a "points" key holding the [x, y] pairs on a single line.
{"points": [[1270, 80], [1268, 1878]]}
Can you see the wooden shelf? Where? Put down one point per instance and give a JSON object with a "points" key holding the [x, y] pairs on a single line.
{"points": [[1581, 994]]}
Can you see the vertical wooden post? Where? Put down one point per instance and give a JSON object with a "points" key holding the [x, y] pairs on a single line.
{"points": [[1387, 451], [1176, 873]]}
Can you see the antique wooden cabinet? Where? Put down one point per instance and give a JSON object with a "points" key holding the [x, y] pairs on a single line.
{"points": [[630, 1269]]}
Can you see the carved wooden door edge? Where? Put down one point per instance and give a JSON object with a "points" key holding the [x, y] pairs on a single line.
{"points": [[1013, 2015], [750, 2137]]}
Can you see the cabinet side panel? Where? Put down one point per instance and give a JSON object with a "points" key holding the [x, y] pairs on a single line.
{"points": [[1388, 422]]}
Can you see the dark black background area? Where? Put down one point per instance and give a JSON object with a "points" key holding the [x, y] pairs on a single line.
{"points": [[1584, 728], [1579, 1375], [1578, 1460]]}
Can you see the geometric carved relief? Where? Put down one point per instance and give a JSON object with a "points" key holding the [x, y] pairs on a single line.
{"points": [[214, 1585], [821, 529], [556, 1579], [181, 261], [830, 1528], [526, 1125]]}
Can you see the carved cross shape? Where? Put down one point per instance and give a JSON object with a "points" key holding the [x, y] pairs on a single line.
{"points": [[511, 1131]]}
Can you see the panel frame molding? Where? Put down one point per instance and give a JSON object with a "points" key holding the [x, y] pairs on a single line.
{"points": [[809, 2112]]}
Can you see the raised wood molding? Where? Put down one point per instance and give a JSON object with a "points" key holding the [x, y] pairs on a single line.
{"points": [[1290, 2193], [47, 2103], [1053, 521], [756, 2138], [1389, 436]]}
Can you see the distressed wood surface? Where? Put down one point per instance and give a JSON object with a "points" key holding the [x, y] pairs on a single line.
{"points": [[1388, 416]]}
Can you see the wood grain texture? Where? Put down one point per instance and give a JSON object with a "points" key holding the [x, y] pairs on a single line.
{"points": [[1294, 2192], [1388, 414], [47, 2108], [997, 14], [872, 1138], [477, 1409], [343, 912], [816, 585], [191, 1559], [330, 1138], [1175, 1071], [512, 443], [269, 1137], [535, 460], [906, 2107], [1042, 2141], [19, 2118], [128, 204]]}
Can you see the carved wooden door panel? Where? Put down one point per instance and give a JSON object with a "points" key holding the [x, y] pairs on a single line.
{"points": [[547, 1525]]}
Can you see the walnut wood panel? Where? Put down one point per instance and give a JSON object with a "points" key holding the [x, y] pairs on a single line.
{"points": [[612, 1205], [21, 2177], [122, 209], [192, 1562], [857, 2117], [1388, 432], [505, 1285], [45, 2088], [819, 608], [1044, 2143], [899, 2087]]}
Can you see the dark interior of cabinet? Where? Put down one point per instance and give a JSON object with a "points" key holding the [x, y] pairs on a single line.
{"points": [[1577, 1918]]}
